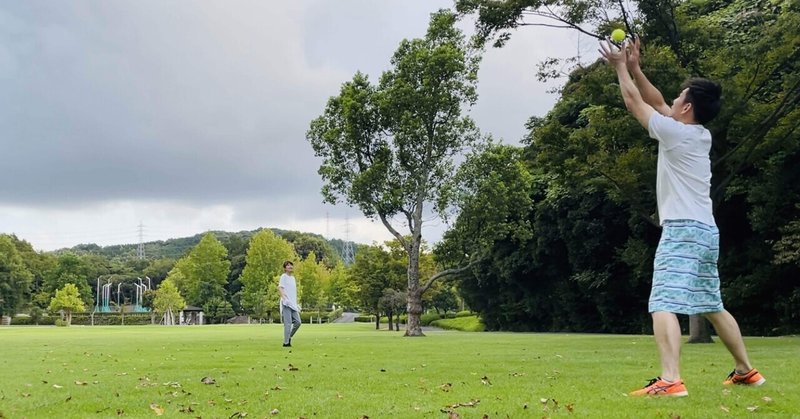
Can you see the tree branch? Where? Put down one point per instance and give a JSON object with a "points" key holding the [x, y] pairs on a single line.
{"points": [[444, 273], [394, 232]]}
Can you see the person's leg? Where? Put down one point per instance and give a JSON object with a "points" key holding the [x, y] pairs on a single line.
{"points": [[295, 323], [728, 331], [286, 316], [667, 332]]}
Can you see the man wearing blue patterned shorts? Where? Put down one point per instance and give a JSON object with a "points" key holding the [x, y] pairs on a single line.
{"points": [[685, 277]]}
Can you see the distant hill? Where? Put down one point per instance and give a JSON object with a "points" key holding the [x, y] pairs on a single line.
{"points": [[235, 241]]}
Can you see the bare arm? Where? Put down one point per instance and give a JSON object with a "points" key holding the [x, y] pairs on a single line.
{"points": [[630, 93], [650, 94]]}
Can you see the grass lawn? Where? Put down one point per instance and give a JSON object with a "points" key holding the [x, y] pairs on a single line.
{"points": [[352, 371]]}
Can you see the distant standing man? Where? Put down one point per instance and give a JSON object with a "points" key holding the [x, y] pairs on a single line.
{"points": [[290, 310], [685, 277]]}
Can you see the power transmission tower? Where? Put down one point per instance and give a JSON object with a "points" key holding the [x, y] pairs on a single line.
{"points": [[348, 252], [140, 248]]}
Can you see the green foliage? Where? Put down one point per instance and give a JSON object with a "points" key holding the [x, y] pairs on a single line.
{"points": [[264, 264], [312, 280], [465, 313], [218, 310], [168, 298], [67, 300], [70, 269], [464, 324], [203, 273], [15, 278], [389, 149]]}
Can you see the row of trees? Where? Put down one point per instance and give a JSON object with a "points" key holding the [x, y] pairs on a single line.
{"points": [[204, 277], [559, 234]]}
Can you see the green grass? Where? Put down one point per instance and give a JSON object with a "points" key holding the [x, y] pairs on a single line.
{"points": [[465, 324], [348, 371]]}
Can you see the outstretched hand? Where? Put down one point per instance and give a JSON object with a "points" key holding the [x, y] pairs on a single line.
{"points": [[633, 52], [613, 55]]}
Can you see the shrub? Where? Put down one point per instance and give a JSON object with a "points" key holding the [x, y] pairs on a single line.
{"points": [[465, 313], [466, 324], [427, 318], [364, 319], [61, 323]]}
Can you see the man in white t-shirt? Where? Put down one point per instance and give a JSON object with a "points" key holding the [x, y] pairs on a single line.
{"points": [[290, 310], [685, 277]]}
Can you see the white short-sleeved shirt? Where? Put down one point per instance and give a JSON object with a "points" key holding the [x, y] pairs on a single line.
{"points": [[683, 177], [289, 285]]}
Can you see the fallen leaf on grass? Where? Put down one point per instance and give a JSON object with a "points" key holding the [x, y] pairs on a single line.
{"points": [[237, 415], [752, 408], [276, 388], [485, 381], [57, 386], [724, 409], [293, 368], [158, 410], [767, 399], [274, 412], [186, 409], [68, 399], [120, 412], [339, 396], [453, 415], [446, 387], [485, 416], [208, 380], [570, 407], [471, 403], [517, 374], [81, 383]]}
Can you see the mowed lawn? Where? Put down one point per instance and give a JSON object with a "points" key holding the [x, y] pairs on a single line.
{"points": [[353, 371]]}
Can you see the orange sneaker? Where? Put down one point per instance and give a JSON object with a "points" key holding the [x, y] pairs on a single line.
{"points": [[750, 378], [659, 387]]}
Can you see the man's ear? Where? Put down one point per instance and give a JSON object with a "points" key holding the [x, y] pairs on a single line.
{"points": [[686, 108]]}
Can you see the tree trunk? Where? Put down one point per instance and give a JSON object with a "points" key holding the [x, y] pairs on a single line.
{"points": [[698, 330], [391, 320], [69, 318], [378, 321], [414, 308]]}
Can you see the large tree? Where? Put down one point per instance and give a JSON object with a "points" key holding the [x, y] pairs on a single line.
{"points": [[15, 278], [67, 300], [203, 273], [264, 264], [388, 149], [168, 301]]}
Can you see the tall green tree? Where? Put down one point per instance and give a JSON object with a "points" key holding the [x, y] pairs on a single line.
{"points": [[70, 269], [203, 273], [168, 301], [313, 278], [388, 149], [342, 289], [68, 300], [264, 264], [15, 278]]}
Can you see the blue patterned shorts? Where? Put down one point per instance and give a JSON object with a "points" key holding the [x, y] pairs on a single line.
{"points": [[685, 277]]}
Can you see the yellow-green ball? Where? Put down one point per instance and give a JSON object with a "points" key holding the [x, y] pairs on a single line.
{"points": [[618, 35]]}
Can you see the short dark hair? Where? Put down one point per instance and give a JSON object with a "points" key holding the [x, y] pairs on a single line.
{"points": [[705, 97], [287, 263]]}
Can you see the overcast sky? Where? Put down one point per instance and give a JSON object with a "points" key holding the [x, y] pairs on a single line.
{"points": [[190, 116]]}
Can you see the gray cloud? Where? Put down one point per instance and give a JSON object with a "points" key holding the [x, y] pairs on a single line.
{"points": [[203, 103]]}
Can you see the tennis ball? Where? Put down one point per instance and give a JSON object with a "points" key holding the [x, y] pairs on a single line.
{"points": [[618, 35]]}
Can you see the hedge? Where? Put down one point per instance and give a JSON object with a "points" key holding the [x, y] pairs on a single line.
{"points": [[466, 324]]}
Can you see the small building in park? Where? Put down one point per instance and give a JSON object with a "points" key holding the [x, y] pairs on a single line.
{"points": [[191, 315]]}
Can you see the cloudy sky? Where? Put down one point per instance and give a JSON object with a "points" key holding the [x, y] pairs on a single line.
{"points": [[187, 116]]}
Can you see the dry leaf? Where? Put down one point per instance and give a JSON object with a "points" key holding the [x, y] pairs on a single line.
{"points": [[339, 396], [274, 412], [485, 416], [57, 386], [237, 415], [752, 408], [120, 412], [767, 399], [446, 387], [68, 399], [570, 407], [276, 388], [208, 380], [293, 368], [453, 415], [158, 410], [186, 409], [724, 409], [485, 381], [81, 383]]}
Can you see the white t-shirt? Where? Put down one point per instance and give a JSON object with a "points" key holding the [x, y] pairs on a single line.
{"points": [[289, 286], [683, 177]]}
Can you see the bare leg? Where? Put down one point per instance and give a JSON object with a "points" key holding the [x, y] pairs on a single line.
{"points": [[667, 332], [728, 331]]}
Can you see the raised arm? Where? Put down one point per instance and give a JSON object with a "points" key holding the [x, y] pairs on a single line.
{"points": [[630, 93], [649, 93]]}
